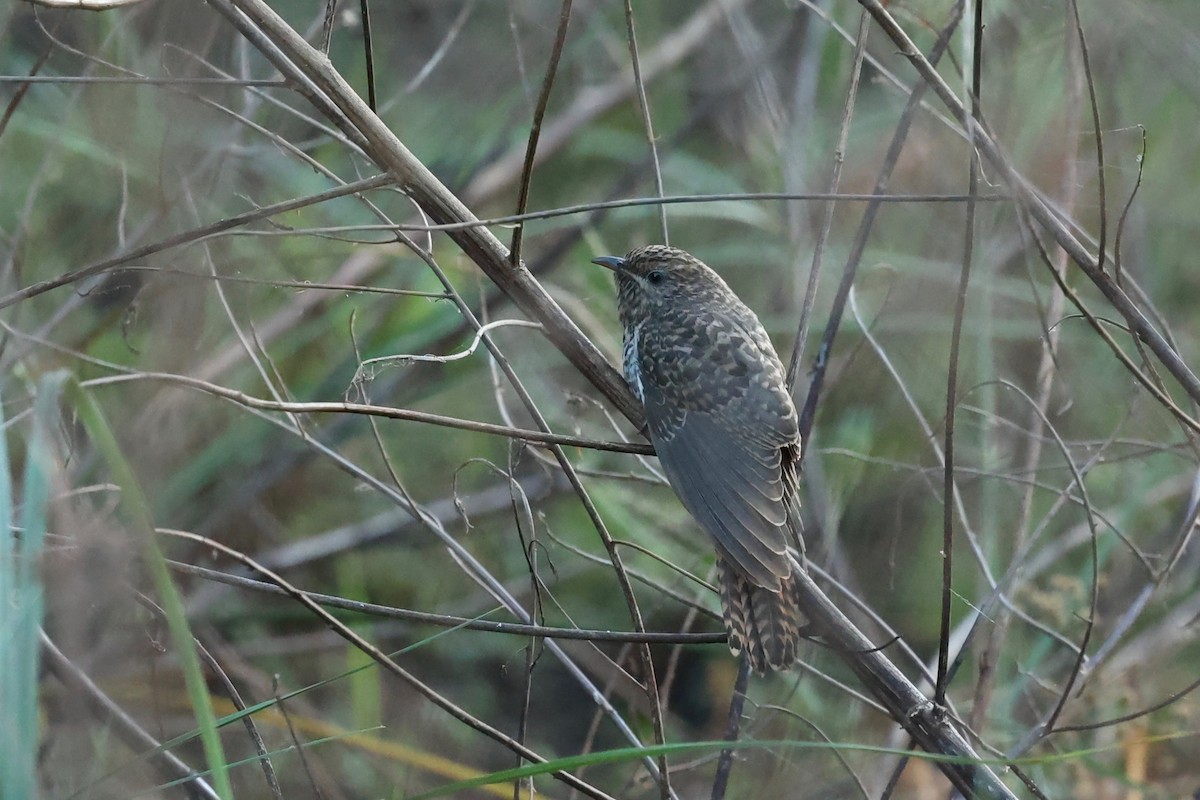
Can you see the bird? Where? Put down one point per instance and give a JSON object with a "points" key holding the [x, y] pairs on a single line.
{"points": [[726, 432]]}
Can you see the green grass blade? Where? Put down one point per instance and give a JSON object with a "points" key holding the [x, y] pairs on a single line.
{"points": [[21, 596], [140, 516]]}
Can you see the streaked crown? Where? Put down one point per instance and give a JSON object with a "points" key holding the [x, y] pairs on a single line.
{"points": [[654, 278]]}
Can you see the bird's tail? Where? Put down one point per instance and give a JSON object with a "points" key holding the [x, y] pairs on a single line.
{"points": [[766, 625]]}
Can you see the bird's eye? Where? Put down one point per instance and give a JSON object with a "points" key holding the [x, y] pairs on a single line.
{"points": [[656, 276]]}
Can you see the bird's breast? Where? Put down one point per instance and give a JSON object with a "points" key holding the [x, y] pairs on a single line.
{"points": [[629, 358]]}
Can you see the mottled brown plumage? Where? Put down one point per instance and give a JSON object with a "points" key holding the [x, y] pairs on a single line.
{"points": [[726, 432]]}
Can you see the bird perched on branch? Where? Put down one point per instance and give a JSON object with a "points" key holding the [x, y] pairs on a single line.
{"points": [[722, 421]]}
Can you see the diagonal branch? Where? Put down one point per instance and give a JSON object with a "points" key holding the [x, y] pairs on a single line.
{"points": [[478, 243], [927, 723]]}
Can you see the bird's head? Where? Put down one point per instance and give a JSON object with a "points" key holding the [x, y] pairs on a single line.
{"points": [[657, 277]]}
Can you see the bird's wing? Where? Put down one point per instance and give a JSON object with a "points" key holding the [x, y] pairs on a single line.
{"points": [[733, 483]]}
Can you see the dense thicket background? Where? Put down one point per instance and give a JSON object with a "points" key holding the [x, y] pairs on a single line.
{"points": [[160, 118]]}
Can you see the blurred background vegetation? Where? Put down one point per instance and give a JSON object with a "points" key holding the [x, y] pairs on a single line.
{"points": [[155, 119]]}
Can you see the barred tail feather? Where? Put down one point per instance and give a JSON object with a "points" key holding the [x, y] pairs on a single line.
{"points": [[764, 624]]}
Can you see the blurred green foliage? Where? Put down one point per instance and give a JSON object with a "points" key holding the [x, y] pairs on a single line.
{"points": [[91, 170]]}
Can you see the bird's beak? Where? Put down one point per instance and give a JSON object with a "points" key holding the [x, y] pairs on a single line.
{"points": [[615, 263]]}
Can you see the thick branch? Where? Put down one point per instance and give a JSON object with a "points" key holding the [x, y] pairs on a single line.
{"points": [[927, 723], [488, 253]]}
